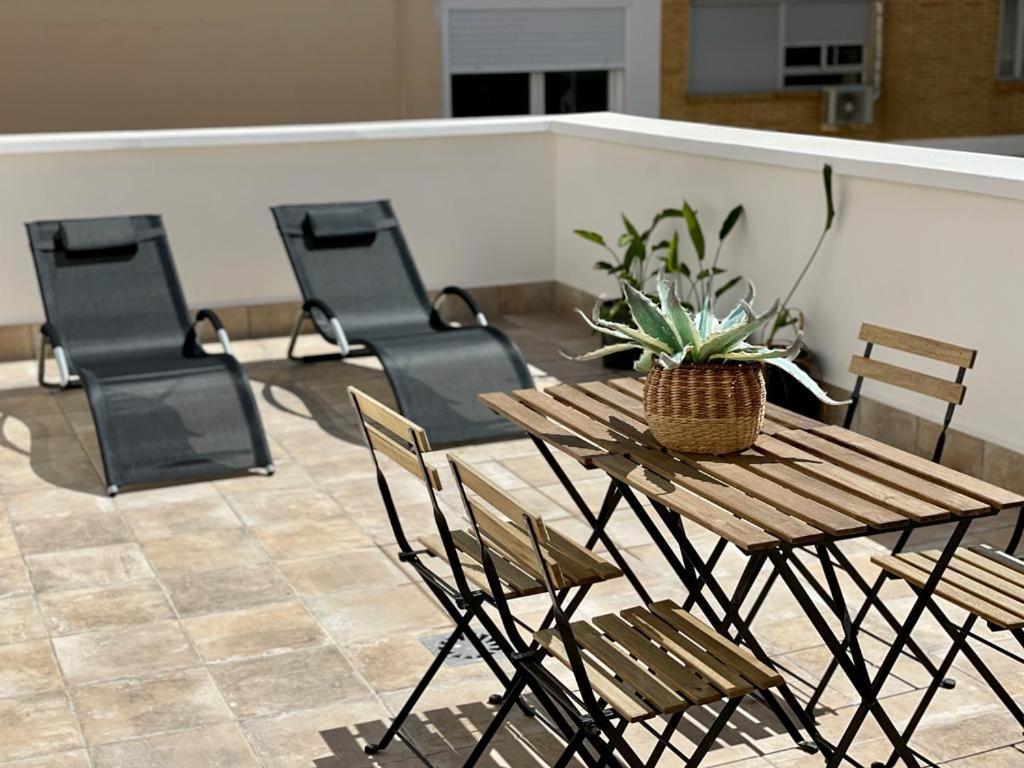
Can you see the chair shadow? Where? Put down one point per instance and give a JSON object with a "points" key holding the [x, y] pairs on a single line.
{"points": [[34, 425], [446, 736]]}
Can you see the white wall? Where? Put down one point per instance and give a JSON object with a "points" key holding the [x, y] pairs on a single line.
{"points": [[941, 262], [926, 240], [477, 210]]}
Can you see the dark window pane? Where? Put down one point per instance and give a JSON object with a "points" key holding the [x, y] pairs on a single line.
{"points": [[483, 95], [803, 56], [824, 78], [566, 92], [845, 54], [1008, 39]]}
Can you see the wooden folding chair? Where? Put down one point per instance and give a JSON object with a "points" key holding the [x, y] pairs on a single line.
{"points": [[949, 391], [987, 583], [642, 663], [390, 434]]}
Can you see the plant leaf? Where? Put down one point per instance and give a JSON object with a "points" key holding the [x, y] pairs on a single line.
{"points": [[649, 319], [611, 349], [696, 235], [826, 174], [682, 323], [607, 266], [591, 236], [726, 340], [742, 309], [729, 284], [752, 352], [643, 365], [730, 222], [671, 362], [629, 226], [623, 331], [801, 376], [704, 320]]}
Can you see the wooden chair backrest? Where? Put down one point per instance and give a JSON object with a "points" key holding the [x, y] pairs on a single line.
{"points": [[500, 524], [394, 436], [951, 392]]}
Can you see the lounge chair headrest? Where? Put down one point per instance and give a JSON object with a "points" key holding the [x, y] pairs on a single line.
{"points": [[98, 234], [333, 224]]}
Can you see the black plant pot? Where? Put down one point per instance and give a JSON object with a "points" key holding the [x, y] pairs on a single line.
{"points": [[783, 390]]}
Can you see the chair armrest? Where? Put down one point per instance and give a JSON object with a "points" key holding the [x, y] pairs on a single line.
{"points": [[214, 320], [469, 301], [332, 319], [60, 355]]}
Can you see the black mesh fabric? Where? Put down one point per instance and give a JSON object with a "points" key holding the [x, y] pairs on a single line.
{"points": [[370, 282], [164, 409]]}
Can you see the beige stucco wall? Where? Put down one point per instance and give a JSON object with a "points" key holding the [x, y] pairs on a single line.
{"points": [[68, 65]]}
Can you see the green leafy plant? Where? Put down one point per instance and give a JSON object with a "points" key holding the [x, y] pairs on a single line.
{"points": [[631, 266], [788, 316], [670, 335]]}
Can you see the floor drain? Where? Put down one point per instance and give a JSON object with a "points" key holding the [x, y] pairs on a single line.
{"points": [[464, 652]]}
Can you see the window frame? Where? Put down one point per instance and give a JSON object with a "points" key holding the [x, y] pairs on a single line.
{"points": [[1018, 48], [823, 67]]}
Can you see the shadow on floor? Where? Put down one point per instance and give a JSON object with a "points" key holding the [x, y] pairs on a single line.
{"points": [[446, 736]]}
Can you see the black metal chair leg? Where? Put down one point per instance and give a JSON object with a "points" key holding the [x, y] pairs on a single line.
{"points": [[518, 686], [396, 725], [713, 732]]}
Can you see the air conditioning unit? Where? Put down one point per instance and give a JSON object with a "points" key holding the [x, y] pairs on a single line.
{"points": [[848, 104]]}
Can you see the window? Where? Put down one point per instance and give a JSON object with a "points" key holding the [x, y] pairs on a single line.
{"points": [[1011, 40], [508, 59], [812, 66], [481, 95], [537, 93], [770, 45]]}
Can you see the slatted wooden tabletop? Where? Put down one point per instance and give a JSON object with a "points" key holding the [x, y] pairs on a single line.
{"points": [[803, 481]]}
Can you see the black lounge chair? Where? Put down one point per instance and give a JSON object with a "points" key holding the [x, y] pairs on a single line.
{"points": [[164, 409], [360, 287]]}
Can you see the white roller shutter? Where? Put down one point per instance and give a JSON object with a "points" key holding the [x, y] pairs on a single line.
{"points": [[536, 40]]}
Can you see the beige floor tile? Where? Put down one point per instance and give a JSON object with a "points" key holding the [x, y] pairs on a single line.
{"points": [[129, 708], [296, 738], [162, 521], [302, 538], [55, 502], [354, 570], [13, 577], [253, 632], [397, 662], [27, 668], [298, 680], [8, 544], [228, 589], [94, 567], [210, 551], [73, 530], [20, 620], [37, 725], [360, 616], [265, 507], [78, 758], [121, 605], [124, 652], [220, 746]]}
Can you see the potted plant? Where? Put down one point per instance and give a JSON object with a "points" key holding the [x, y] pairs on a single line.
{"points": [[630, 267], [704, 391]]}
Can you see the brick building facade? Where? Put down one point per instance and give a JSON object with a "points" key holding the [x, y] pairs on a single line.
{"points": [[938, 78]]}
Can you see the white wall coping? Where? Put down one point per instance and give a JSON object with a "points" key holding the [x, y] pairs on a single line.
{"points": [[994, 175]]}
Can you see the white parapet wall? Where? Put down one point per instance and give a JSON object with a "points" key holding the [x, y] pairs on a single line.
{"points": [[926, 240]]}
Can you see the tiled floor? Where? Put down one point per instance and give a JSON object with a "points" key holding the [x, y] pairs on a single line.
{"points": [[265, 621]]}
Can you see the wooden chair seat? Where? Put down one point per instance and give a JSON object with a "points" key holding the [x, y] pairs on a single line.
{"points": [[981, 580], [578, 565], [658, 660]]}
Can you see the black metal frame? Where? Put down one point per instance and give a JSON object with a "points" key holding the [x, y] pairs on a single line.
{"points": [[462, 603], [961, 636], [590, 721]]}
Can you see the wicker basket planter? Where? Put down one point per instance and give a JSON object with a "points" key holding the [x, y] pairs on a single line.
{"points": [[706, 408]]}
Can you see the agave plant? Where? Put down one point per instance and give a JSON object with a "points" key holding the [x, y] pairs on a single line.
{"points": [[670, 335]]}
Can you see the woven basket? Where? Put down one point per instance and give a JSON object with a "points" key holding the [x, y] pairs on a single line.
{"points": [[706, 408]]}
